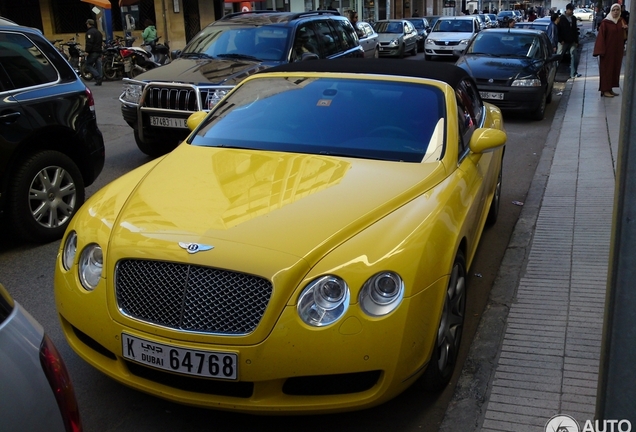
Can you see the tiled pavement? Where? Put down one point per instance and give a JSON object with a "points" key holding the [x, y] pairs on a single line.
{"points": [[548, 355]]}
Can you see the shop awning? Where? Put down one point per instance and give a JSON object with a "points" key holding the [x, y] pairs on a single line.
{"points": [[99, 3]]}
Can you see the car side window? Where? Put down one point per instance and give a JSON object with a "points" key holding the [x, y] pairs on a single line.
{"points": [[345, 32], [305, 41], [23, 63], [327, 36]]}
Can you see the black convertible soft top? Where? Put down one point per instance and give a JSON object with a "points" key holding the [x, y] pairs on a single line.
{"points": [[446, 72]]}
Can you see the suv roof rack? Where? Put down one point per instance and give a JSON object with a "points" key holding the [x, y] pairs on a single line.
{"points": [[289, 14]]}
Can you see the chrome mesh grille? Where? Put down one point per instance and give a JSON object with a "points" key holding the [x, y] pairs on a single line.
{"points": [[180, 99], [191, 298]]}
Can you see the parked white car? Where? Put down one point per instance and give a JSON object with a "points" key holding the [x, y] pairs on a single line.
{"points": [[450, 33], [584, 14]]}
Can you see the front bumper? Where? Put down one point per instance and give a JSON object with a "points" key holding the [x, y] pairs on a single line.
{"points": [[390, 51], [356, 363], [514, 98]]}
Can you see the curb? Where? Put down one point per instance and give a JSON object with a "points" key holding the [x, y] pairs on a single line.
{"points": [[466, 409]]}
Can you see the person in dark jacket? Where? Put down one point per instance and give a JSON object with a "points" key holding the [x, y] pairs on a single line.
{"points": [[569, 38], [94, 49]]}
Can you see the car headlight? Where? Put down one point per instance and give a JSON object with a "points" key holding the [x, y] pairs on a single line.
{"points": [[323, 301], [394, 42], [214, 96], [382, 293], [90, 266], [527, 82], [69, 251], [132, 93], [430, 41], [463, 41]]}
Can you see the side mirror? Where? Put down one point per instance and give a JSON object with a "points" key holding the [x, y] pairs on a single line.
{"points": [[175, 54], [486, 139], [195, 119], [309, 56]]}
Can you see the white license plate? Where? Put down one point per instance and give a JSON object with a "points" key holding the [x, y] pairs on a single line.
{"points": [[490, 95], [168, 122], [208, 364]]}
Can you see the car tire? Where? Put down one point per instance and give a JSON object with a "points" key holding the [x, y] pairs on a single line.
{"points": [[493, 211], [376, 53], [46, 192], [548, 98], [154, 148], [414, 50], [539, 113], [441, 365], [402, 51]]}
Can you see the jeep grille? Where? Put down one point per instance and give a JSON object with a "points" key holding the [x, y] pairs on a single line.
{"points": [[190, 297], [179, 99]]}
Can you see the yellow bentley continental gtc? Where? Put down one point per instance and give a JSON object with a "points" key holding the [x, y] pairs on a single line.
{"points": [[305, 250]]}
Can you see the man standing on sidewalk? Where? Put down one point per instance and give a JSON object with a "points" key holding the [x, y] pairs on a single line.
{"points": [[569, 38], [94, 49]]}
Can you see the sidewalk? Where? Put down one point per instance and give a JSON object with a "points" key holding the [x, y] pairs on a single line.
{"points": [[536, 352]]}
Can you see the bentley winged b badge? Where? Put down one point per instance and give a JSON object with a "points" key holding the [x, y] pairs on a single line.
{"points": [[195, 247]]}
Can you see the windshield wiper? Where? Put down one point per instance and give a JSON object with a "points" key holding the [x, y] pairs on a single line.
{"points": [[245, 56], [196, 55]]}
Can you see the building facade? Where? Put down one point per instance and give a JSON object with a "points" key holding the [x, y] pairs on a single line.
{"points": [[177, 21]]}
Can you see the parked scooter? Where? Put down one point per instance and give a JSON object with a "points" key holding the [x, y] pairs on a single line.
{"points": [[160, 52]]}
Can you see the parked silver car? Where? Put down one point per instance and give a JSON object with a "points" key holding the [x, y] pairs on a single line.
{"points": [[450, 33], [37, 394], [397, 37], [369, 39]]}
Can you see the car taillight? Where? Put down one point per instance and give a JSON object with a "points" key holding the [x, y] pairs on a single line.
{"points": [[125, 52], [60, 382], [90, 99]]}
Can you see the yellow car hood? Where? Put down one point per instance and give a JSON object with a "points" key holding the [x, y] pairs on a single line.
{"points": [[296, 204]]}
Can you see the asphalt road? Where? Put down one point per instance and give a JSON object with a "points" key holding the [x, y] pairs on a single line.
{"points": [[27, 272]]}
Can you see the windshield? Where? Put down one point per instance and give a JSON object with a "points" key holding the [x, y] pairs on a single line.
{"points": [[418, 24], [506, 45], [261, 43], [383, 120], [454, 26], [389, 27]]}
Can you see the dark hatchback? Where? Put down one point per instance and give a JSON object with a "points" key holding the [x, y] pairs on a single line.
{"points": [[514, 69], [50, 145], [158, 102]]}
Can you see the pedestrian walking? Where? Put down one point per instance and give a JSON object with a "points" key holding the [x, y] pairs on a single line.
{"points": [[415, 13], [609, 49], [569, 38], [553, 31], [94, 48]]}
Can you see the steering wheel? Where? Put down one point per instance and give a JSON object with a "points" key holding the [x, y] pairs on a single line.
{"points": [[275, 52], [390, 132]]}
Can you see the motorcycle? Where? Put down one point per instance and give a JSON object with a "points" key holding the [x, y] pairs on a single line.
{"points": [[113, 63], [160, 52], [77, 58]]}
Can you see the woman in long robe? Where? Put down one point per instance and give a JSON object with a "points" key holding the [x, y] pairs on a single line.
{"points": [[609, 48]]}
